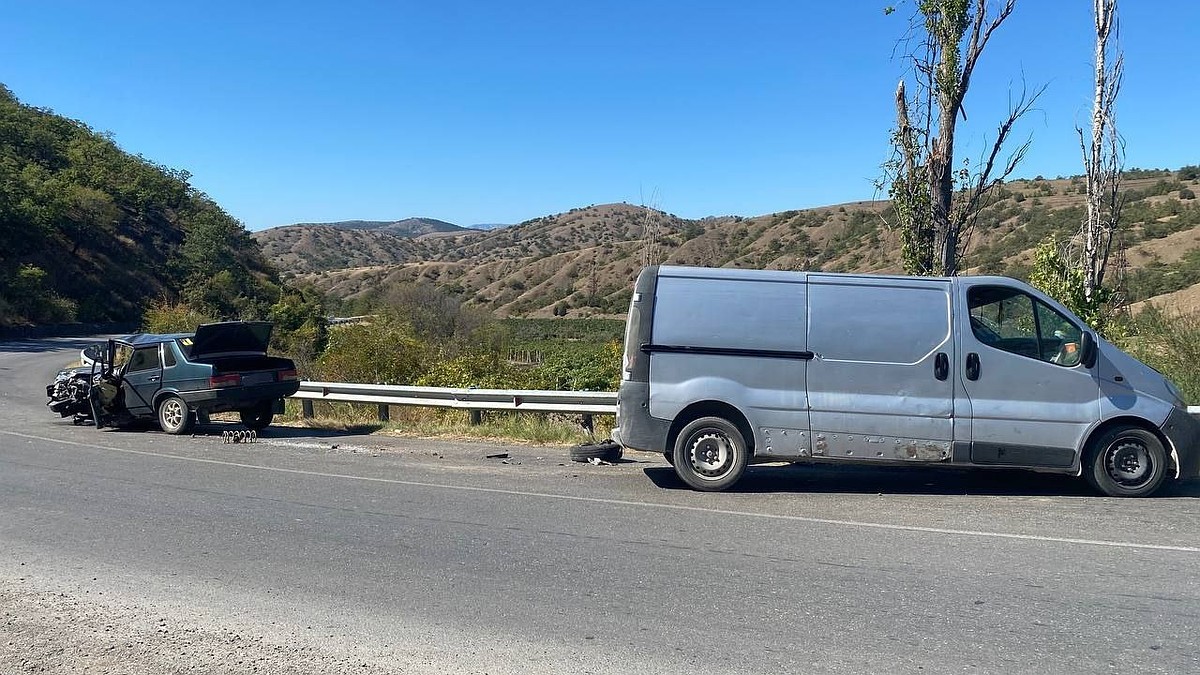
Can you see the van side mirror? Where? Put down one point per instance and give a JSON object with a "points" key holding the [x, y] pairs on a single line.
{"points": [[1088, 350]]}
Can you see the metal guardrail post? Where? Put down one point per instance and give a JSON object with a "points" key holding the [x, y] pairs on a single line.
{"points": [[306, 406], [385, 412], [476, 417]]}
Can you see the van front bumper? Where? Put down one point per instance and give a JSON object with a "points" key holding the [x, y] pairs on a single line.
{"points": [[1183, 430]]}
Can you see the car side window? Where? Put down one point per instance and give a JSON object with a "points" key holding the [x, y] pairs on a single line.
{"points": [[1010, 320], [145, 358], [168, 355]]}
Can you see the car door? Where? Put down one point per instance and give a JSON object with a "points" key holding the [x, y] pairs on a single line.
{"points": [[1030, 398], [142, 380], [879, 384]]}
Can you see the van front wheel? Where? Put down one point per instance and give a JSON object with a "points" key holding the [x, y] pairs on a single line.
{"points": [[710, 454], [1127, 462]]}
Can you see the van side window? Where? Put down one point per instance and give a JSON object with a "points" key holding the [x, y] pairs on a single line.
{"points": [[1007, 319], [168, 355]]}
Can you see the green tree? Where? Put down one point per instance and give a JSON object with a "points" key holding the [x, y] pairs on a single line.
{"points": [[935, 203]]}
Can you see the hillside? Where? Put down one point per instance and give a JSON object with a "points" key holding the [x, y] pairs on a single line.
{"points": [[409, 227], [583, 262], [91, 233]]}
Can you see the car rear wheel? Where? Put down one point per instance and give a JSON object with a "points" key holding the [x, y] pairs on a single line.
{"points": [[174, 416], [257, 418]]}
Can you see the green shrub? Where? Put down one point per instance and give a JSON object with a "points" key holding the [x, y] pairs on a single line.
{"points": [[1171, 344], [168, 317], [384, 351]]}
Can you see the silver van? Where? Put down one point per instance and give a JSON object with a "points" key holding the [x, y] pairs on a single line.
{"points": [[724, 367]]}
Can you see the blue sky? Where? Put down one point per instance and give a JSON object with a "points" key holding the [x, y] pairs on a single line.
{"points": [[480, 112]]}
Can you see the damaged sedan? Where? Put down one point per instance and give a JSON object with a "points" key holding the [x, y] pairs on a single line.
{"points": [[175, 378]]}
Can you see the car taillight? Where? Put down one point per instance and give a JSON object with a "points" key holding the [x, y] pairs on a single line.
{"points": [[285, 375], [225, 380]]}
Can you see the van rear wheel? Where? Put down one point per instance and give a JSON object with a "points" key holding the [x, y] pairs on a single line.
{"points": [[1126, 462], [710, 454]]}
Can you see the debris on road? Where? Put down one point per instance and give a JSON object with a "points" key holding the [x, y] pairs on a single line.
{"points": [[605, 451]]}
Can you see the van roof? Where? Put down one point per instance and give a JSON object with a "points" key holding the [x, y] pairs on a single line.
{"points": [[784, 275]]}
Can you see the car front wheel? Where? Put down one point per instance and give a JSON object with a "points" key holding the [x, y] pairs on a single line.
{"points": [[174, 416]]}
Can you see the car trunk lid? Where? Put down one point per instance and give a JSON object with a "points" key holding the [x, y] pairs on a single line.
{"points": [[230, 338]]}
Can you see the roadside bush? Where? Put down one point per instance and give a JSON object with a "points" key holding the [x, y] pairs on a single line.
{"points": [[28, 295], [168, 317], [481, 369], [1170, 344], [584, 369], [384, 351]]}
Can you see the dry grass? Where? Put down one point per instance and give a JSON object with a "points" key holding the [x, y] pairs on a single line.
{"points": [[538, 428]]}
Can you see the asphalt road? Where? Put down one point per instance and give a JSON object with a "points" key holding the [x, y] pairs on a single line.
{"points": [[404, 555]]}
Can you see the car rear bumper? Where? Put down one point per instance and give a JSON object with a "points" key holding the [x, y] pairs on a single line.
{"points": [[237, 398]]}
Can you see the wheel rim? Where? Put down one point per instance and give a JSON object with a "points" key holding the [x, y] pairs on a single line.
{"points": [[1128, 463], [172, 413], [711, 455]]}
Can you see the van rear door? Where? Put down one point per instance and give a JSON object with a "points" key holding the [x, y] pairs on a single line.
{"points": [[880, 385], [736, 338]]}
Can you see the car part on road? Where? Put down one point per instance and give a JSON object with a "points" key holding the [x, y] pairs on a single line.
{"points": [[239, 436], [605, 451]]}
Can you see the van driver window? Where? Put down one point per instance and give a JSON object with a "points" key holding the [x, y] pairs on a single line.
{"points": [[1007, 319]]}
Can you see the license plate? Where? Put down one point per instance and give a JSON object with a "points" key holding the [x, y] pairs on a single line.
{"points": [[258, 378]]}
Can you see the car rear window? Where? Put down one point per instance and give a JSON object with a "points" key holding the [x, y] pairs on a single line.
{"points": [[185, 346]]}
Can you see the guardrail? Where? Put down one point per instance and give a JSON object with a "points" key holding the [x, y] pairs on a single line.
{"points": [[533, 400]]}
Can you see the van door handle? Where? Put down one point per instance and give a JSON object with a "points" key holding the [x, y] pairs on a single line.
{"points": [[941, 366], [972, 366], [152, 378]]}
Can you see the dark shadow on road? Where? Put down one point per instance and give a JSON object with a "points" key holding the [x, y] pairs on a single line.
{"points": [[799, 478], [215, 428]]}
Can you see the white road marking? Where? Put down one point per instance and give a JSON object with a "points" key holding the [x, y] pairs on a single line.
{"points": [[627, 502]]}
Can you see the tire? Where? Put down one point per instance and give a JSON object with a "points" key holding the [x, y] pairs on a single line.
{"points": [[710, 454], [257, 418], [1126, 462], [606, 451], [174, 416]]}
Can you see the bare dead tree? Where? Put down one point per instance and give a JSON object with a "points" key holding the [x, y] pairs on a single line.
{"points": [[934, 203], [1103, 155], [651, 255]]}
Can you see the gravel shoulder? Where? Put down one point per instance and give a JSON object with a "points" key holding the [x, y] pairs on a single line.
{"points": [[51, 632]]}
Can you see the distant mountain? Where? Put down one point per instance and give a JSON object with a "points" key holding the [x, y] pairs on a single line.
{"points": [[409, 227], [583, 262], [490, 226]]}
